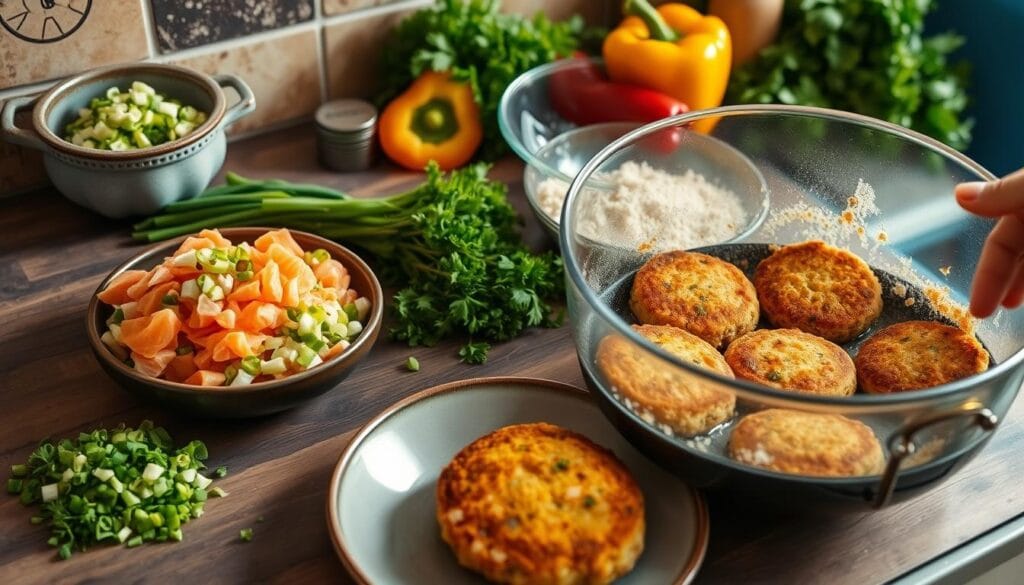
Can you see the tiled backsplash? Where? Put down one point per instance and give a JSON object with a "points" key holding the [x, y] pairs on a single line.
{"points": [[293, 53]]}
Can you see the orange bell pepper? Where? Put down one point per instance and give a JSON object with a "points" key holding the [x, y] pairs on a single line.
{"points": [[435, 119], [675, 50]]}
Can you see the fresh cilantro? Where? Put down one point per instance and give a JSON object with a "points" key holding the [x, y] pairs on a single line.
{"points": [[479, 45], [865, 56], [466, 270], [474, 353]]}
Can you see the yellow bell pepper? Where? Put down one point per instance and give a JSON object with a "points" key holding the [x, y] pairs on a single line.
{"points": [[435, 119], [675, 50]]}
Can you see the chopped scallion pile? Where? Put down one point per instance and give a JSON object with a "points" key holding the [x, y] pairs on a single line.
{"points": [[128, 120], [121, 485]]}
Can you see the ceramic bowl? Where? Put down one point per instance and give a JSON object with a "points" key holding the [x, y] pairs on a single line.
{"points": [[381, 501], [134, 182], [255, 399]]}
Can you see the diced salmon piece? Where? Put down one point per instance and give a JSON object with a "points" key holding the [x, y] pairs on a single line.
{"points": [[336, 349], [208, 308], [237, 344], [138, 289], [131, 310], [226, 319], [290, 296], [116, 293], [197, 321], [215, 236], [148, 335], [154, 365], [180, 368], [247, 291], [292, 267], [270, 283], [257, 317], [159, 275], [332, 273], [194, 243], [206, 378], [204, 359], [153, 300], [281, 236]]}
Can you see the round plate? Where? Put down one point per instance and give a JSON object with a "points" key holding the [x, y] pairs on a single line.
{"points": [[381, 506]]}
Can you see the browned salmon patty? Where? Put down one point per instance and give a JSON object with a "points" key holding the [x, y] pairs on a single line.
{"points": [[789, 359], [663, 393], [918, 354], [820, 289], [539, 504], [805, 443], [701, 294]]}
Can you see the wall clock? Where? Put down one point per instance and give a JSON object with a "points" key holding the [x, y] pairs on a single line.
{"points": [[43, 21]]}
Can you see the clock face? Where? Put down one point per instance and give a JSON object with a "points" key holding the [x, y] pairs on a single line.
{"points": [[43, 21]]}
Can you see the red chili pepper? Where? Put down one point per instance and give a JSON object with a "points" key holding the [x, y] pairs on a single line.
{"points": [[583, 95]]}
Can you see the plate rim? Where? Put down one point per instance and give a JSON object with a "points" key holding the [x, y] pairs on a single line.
{"points": [[333, 517]]}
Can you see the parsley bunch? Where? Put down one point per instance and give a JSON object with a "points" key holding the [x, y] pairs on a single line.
{"points": [[865, 56], [479, 45], [453, 242], [466, 270]]}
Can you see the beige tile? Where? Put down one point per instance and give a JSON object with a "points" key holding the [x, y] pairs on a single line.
{"points": [[352, 53], [110, 32], [21, 169], [593, 11], [332, 7], [283, 72]]}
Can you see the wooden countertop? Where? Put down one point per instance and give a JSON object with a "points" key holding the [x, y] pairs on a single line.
{"points": [[52, 256]]}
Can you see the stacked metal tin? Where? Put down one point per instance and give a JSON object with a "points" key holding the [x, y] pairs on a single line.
{"points": [[346, 131]]}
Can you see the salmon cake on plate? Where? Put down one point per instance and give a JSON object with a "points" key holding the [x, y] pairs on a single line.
{"points": [[701, 294], [672, 397], [537, 504], [819, 289]]}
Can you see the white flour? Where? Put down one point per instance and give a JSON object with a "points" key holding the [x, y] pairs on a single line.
{"points": [[652, 209]]}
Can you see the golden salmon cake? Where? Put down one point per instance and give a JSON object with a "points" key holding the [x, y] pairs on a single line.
{"points": [[662, 394], [789, 359], [918, 354], [805, 443], [536, 504], [701, 294], [820, 289]]}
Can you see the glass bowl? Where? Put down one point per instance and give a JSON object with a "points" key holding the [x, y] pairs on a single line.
{"points": [[526, 117], [813, 160], [547, 180]]}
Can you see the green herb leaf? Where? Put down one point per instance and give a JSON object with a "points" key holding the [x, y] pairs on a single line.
{"points": [[866, 56]]}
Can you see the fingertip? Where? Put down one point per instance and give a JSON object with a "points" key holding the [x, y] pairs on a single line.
{"points": [[981, 310], [968, 193]]}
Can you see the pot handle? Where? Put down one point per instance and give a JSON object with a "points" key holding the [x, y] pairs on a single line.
{"points": [[245, 106], [901, 443], [11, 132]]}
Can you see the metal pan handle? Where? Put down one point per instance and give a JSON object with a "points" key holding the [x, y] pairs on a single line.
{"points": [[902, 445], [11, 132]]}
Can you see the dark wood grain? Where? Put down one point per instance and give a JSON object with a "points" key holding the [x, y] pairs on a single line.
{"points": [[52, 256]]}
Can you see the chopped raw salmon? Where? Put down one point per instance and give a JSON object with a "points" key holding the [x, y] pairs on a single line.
{"points": [[148, 335], [195, 339], [155, 365], [116, 292]]}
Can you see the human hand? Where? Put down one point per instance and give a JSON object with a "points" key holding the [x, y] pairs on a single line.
{"points": [[999, 277]]}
